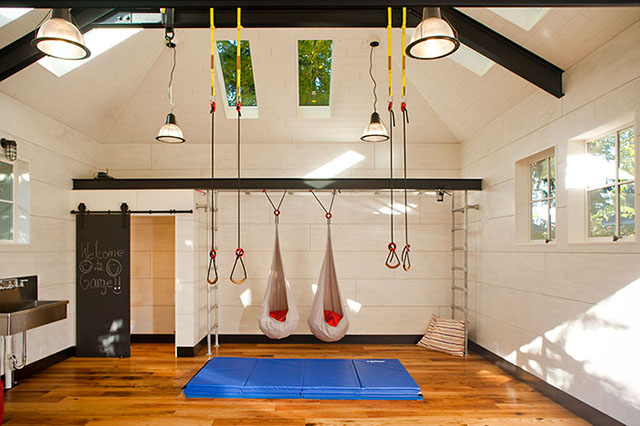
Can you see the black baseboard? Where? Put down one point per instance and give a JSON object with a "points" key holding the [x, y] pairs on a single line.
{"points": [[571, 403], [352, 339], [153, 338], [41, 364]]}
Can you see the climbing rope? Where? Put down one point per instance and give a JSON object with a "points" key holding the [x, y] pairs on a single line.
{"points": [[213, 267], [276, 209], [239, 251], [406, 260], [392, 261], [327, 212]]}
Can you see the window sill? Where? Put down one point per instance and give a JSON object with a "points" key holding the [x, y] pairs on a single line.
{"points": [[536, 243], [608, 241]]}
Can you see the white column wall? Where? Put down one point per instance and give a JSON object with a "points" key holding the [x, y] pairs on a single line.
{"points": [[56, 154], [566, 312]]}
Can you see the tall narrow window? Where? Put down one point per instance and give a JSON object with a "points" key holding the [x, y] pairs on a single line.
{"points": [[611, 190], [227, 54], [314, 72], [542, 200], [7, 223]]}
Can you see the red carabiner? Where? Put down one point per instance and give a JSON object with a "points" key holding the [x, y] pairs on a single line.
{"points": [[238, 106]]}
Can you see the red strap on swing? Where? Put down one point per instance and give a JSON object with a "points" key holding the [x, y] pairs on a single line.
{"points": [[238, 106], [403, 106], [390, 106], [279, 315], [332, 318], [213, 106]]}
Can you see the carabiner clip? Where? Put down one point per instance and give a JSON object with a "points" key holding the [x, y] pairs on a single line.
{"points": [[239, 254], [393, 261], [406, 260]]}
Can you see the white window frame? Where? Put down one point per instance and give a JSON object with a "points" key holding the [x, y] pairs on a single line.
{"points": [[616, 185], [14, 210], [522, 197], [546, 156]]}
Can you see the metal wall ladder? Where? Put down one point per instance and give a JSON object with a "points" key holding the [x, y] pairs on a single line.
{"points": [[212, 203], [459, 260]]}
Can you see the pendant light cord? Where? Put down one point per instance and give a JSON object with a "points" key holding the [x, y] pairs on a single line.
{"points": [[392, 260], [375, 85], [173, 68]]}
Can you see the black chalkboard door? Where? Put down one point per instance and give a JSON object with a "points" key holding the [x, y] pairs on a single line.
{"points": [[103, 296]]}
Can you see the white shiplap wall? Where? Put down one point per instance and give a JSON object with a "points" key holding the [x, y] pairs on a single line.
{"points": [[566, 312], [56, 154]]}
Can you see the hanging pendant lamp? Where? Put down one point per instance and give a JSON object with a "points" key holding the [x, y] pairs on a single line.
{"points": [[375, 130], [433, 38], [170, 132], [59, 38]]}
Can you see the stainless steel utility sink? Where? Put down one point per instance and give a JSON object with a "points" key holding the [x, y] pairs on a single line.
{"points": [[19, 316]]}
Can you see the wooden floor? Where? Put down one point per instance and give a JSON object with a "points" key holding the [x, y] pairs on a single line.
{"points": [[146, 390]]}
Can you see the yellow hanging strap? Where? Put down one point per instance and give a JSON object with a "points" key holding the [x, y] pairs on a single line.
{"points": [[238, 73], [213, 68], [389, 18], [404, 56]]}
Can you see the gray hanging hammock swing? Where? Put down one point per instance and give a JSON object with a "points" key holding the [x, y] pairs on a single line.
{"points": [[328, 317], [279, 316]]}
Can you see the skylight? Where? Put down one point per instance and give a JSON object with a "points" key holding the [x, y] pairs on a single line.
{"points": [[472, 60], [314, 72], [98, 40], [524, 17], [8, 14], [227, 54]]}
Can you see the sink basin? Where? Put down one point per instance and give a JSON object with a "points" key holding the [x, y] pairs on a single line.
{"points": [[16, 317]]}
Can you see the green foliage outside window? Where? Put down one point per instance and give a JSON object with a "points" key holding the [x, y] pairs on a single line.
{"points": [[228, 61], [543, 203], [613, 205], [314, 72]]}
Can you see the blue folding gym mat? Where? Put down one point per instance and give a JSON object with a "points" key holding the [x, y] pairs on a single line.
{"points": [[270, 378], [330, 379], [385, 379]]}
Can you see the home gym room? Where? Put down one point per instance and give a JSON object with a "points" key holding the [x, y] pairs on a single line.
{"points": [[319, 213]]}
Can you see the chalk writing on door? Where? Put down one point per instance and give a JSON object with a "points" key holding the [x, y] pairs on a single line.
{"points": [[100, 269]]}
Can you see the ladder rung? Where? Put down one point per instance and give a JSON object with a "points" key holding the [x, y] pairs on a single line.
{"points": [[458, 210], [458, 229], [459, 268], [459, 248], [458, 308], [456, 287]]}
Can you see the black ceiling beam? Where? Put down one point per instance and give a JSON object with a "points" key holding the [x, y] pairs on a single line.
{"points": [[310, 4], [20, 54], [505, 52], [258, 184]]}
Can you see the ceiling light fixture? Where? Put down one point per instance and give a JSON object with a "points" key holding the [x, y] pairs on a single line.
{"points": [[433, 38], [376, 130], [170, 132], [59, 38]]}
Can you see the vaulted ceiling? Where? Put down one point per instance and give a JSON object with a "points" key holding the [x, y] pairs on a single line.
{"points": [[121, 96]]}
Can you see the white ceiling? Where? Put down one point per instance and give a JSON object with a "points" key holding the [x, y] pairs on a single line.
{"points": [[121, 96]]}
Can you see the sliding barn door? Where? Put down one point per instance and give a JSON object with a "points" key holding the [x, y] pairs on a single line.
{"points": [[103, 296]]}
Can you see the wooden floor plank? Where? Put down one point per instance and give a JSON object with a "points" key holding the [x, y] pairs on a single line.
{"points": [[146, 390]]}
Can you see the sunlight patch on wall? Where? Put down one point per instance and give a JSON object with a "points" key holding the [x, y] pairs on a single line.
{"points": [[8, 14], [336, 166], [524, 17]]}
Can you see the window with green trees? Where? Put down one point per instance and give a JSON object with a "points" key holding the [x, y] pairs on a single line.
{"points": [[6, 201], [228, 62], [314, 72], [611, 197], [542, 201]]}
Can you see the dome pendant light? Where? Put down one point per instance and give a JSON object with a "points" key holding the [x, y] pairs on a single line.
{"points": [[433, 38], [375, 131], [170, 132], [59, 38]]}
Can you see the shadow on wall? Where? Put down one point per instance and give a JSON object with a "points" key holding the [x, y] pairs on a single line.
{"points": [[604, 343]]}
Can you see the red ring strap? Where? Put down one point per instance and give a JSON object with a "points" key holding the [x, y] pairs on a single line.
{"points": [[239, 252], [328, 215], [213, 254], [276, 212], [238, 106], [392, 246]]}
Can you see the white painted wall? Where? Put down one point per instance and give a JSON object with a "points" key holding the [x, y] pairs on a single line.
{"points": [[567, 311], [56, 154]]}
